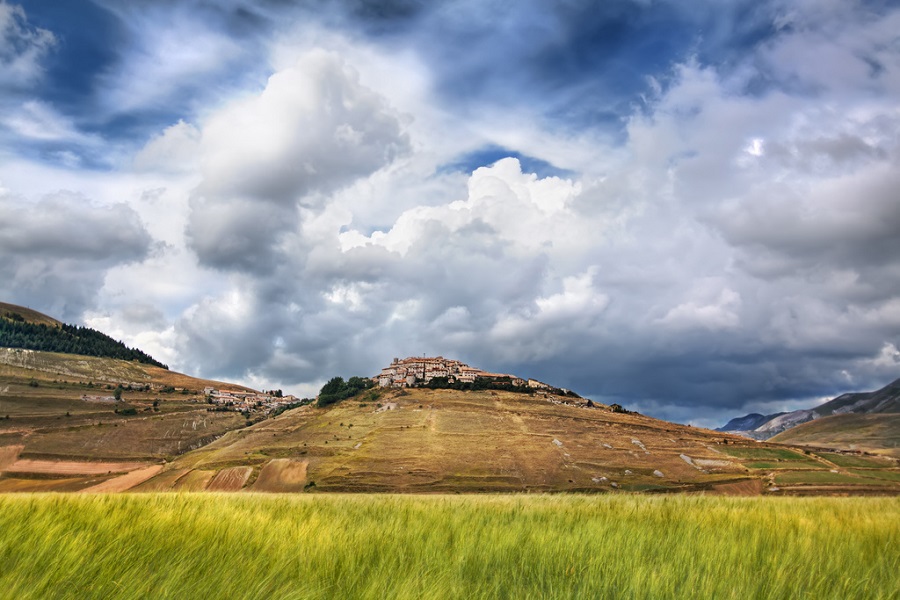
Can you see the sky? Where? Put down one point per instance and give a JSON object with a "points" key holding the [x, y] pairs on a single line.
{"points": [[688, 208]]}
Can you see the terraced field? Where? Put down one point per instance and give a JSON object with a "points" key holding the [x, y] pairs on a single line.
{"points": [[60, 424], [442, 441], [409, 441], [807, 472]]}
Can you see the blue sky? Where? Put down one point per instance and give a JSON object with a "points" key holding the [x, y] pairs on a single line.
{"points": [[687, 208]]}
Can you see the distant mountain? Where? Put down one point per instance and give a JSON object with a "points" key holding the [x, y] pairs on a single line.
{"points": [[28, 329], [762, 427], [747, 422]]}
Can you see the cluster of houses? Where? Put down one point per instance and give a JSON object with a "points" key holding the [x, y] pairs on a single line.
{"points": [[246, 401], [416, 370]]}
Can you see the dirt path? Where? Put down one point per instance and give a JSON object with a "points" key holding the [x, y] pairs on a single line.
{"points": [[124, 482], [67, 467]]}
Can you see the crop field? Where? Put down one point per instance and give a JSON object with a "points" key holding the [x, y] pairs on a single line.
{"points": [[822, 477], [879, 474], [866, 462], [763, 454], [787, 464], [488, 546]]}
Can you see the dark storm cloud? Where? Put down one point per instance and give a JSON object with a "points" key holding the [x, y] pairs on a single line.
{"points": [[57, 251], [238, 234]]}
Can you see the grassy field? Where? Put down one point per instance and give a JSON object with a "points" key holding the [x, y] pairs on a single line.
{"points": [[886, 475], [756, 453], [523, 546], [787, 464], [823, 477], [865, 462]]}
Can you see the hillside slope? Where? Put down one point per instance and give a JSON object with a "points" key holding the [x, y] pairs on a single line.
{"points": [[878, 433], [422, 440], [61, 428], [30, 330], [26, 315]]}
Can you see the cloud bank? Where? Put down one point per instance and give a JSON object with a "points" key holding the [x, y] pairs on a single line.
{"points": [[691, 211]]}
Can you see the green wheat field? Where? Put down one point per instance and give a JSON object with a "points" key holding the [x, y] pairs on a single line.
{"points": [[355, 546]]}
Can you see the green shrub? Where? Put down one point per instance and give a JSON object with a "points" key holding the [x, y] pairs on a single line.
{"points": [[337, 389]]}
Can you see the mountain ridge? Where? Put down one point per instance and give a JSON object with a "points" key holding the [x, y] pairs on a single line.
{"points": [[885, 400]]}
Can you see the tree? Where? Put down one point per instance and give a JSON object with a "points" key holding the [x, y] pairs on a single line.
{"points": [[334, 386], [337, 389], [117, 393]]}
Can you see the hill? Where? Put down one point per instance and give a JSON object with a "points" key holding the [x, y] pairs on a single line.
{"points": [[439, 440], [72, 423], [62, 429], [881, 402], [26, 315], [30, 330]]}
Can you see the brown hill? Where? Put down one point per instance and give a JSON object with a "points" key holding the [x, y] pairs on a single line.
{"points": [[61, 429], [53, 366], [12, 311], [59, 417], [422, 440]]}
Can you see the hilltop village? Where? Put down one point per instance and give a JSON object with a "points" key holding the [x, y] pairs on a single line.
{"points": [[422, 370], [248, 401]]}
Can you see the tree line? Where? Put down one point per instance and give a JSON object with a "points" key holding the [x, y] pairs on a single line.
{"points": [[490, 383], [68, 339]]}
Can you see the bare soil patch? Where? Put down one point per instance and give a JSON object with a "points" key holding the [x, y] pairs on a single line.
{"points": [[66, 467], [282, 475], [8, 455], [69, 484], [125, 482], [748, 487], [231, 479]]}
